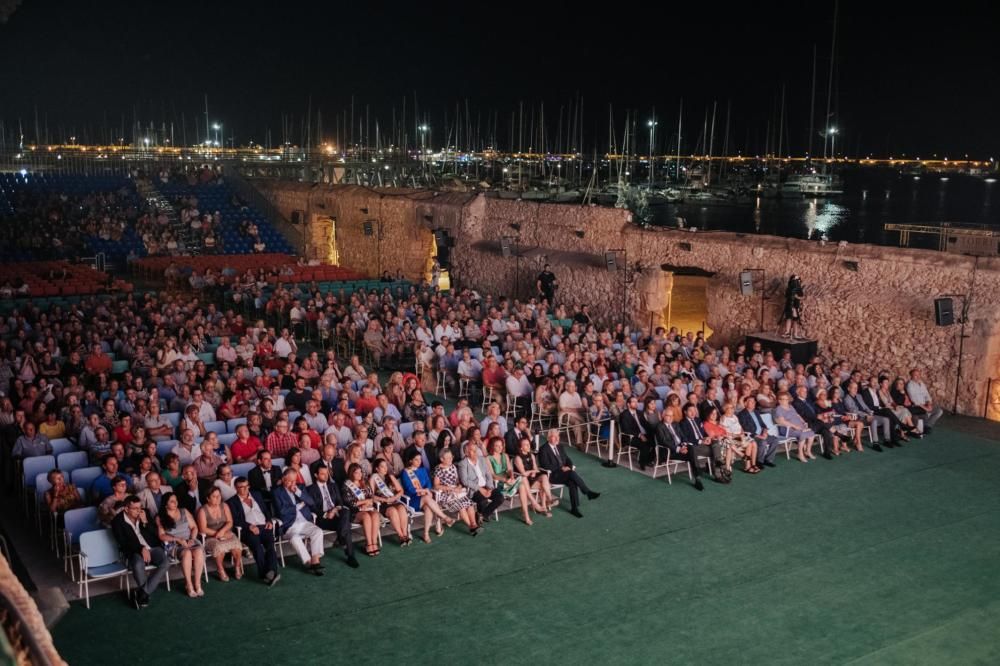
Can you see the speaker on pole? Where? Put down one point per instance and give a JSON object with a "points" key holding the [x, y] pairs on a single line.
{"points": [[611, 261], [944, 311], [369, 230], [746, 283], [298, 217], [505, 247]]}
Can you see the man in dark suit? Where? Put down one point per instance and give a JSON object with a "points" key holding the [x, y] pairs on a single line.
{"points": [[666, 436], [137, 538], [752, 424], [552, 457], [264, 478], [428, 456], [870, 395], [711, 400], [512, 440], [252, 515], [696, 442], [191, 491], [636, 432], [805, 409], [333, 463], [331, 513]]}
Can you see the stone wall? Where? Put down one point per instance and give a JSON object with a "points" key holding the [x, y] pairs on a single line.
{"points": [[879, 316]]}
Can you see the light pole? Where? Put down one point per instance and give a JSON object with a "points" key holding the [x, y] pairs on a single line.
{"points": [[652, 131], [423, 148], [218, 133], [833, 142], [511, 245]]}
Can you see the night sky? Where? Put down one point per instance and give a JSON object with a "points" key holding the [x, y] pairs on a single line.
{"points": [[910, 78]]}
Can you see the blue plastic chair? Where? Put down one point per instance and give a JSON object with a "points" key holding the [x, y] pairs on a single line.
{"points": [[227, 439], [242, 469], [232, 424], [31, 468], [62, 445], [68, 462], [99, 560], [165, 447], [75, 523], [84, 478], [218, 427], [174, 418]]}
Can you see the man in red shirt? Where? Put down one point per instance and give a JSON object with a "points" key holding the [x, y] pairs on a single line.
{"points": [[123, 433], [246, 446], [97, 362], [366, 402]]}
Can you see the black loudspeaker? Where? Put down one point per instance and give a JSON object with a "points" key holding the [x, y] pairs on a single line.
{"points": [[746, 283], [298, 217], [944, 311], [611, 260], [505, 247], [444, 256], [369, 230]]}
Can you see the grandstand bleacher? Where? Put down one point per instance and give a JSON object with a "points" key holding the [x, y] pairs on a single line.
{"points": [[217, 196]]}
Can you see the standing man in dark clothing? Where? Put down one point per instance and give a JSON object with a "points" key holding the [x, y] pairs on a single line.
{"points": [[547, 284]]}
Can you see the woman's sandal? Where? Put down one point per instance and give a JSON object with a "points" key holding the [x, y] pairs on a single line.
{"points": [[426, 538]]}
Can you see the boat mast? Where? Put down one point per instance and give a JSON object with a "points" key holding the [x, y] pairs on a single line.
{"points": [[812, 109], [781, 130], [680, 117], [829, 87], [711, 145]]}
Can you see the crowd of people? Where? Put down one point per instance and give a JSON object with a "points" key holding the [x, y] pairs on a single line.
{"points": [[57, 225], [365, 450]]}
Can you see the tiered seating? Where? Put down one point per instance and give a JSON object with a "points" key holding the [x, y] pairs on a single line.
{"points": [[73, 185], [218, 197], [80, 279], [241, 263]]}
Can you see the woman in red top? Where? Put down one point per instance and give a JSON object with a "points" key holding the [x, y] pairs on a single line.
{"points": [[234, 407], [246, 446], [265, 350], [302, 428]]}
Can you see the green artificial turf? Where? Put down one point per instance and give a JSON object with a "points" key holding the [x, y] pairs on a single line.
{"points": [[873, 558]]}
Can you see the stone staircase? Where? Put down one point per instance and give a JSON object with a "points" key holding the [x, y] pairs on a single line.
{"points": [[155, 199]]}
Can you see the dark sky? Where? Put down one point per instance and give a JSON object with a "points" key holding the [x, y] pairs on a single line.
{"points": [[910, 78]]}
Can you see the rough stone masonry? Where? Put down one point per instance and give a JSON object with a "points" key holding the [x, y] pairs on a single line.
{"points": [[870, 305]]}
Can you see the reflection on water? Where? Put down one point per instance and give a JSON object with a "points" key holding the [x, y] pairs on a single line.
{"points": [[821, 216], [871, 199]]}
